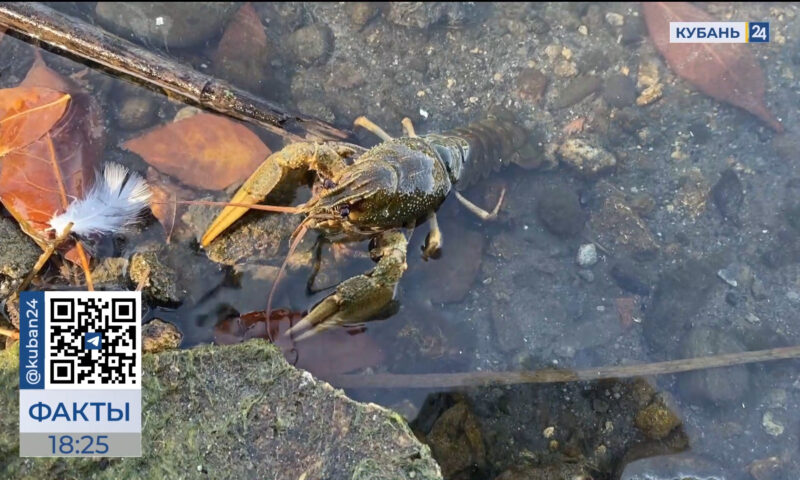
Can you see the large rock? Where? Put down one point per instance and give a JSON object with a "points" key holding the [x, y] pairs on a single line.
{"points": [[174, 24], [235, 412], [18, 254]]}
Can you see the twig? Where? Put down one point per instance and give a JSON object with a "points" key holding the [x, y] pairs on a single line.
{"points": [[76, 37], [480, 379]]}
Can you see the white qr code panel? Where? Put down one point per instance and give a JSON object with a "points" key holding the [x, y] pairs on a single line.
{"points": [[92, 340]]}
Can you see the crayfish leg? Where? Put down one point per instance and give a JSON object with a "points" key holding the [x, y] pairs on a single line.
{"points": [[367, 124]]}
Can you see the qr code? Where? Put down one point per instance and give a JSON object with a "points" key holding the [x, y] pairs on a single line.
{"points": [[93, 339]]}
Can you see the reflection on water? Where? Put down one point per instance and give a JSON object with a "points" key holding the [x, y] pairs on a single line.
{"points": [[684, 210]]}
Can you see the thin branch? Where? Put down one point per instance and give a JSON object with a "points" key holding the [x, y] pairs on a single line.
{"points": [[78, 38], [482, 379]]}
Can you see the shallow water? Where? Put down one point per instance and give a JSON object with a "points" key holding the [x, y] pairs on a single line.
{"points": [[691, 261]]}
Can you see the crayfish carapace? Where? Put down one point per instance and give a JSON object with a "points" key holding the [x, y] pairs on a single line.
{"points": [[376, 193]]}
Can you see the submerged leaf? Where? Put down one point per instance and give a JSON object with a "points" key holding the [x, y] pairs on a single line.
{"points": [[328, 353], [205, 150], [27, 113], [41, 179], [726, 71], [163, 204]]}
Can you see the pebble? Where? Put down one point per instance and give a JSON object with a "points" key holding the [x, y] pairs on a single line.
{"points": [[586, 275], [176, 24], [158, 336], [630, 277], [311, 45], [771, 425], [728, 195], [621, 229], [758, 290], [560, 211], [565, 69], [587, 159], [793, 296], [362, 12], [615, 19], [578, 89], [716, 385], [619, 91], [632, 31], [729, 275], [531, 84], [587, 255], [656, 420], [136, 112]]}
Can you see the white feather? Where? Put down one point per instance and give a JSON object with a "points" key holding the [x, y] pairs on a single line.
{"points": [[115, 201]]}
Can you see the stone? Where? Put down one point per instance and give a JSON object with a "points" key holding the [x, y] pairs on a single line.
{"points": [[692, 194], [716, 385], [633, 31], [578, 89], [177, 25], [560, 211], [361, 13], [424, 14], [630, 277], [587, 255], [311, 45], [615, 19], [157, 279], [621, 229], [222, 407], [159, 336], [456, 441], [728, 195], [657, 420], [531, 84], [18, 254], [586, 158], [112, 271], [136, 112], [771, 425], [619, 91]]}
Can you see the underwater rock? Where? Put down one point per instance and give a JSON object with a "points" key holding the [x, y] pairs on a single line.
{"points": [[158, 336], [111, 271], [311, 45], [619, 91], [560, 211], [728, 195], [256, 235], [657, 420], [233, 412], [630, 277], [156, 278], [621, 229], [424, 14], [531, 84], [715, 385], [362, 12], [18, 254], [456, 441], [176, 25], [136, 112], [586, 158], [578, 89]]}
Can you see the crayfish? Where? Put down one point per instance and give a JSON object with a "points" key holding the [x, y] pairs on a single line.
{"points": [[375, 194]]}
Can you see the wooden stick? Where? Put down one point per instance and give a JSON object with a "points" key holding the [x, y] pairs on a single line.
{"points": [[482, 379], [78, 38], [6, 332]]}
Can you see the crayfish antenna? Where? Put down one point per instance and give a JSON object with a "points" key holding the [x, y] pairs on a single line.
{"points": [[297, 237]]}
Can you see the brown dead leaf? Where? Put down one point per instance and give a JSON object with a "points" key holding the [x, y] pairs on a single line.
{"points": [[43, 177], [164, 192], [27, 113], [205, 151], [729, 72], [328, 353]]}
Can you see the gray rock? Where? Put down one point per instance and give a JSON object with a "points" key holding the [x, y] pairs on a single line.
{"points": [[630, 277], [175, 24], [362, 12], [587, 255], [217, 410], [728, 195], [560, 211], [619, 91], [156, 278], [632, 31], [716, 385], [18, 254], [679, 295], [578, 89], [424, 14], [674, 467], [621, 229], [311, 45]]}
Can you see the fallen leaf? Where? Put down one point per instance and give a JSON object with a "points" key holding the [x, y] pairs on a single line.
{"points": [[43, 177], [164, 192], [27, 113], [575, 126], [328, 353], [242, 55], [205, 151], [729, 72]]}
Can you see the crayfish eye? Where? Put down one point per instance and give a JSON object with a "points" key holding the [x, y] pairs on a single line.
{"points": [[344, 211], [328, 184]]}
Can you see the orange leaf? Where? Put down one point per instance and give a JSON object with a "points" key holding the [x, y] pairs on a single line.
{"points": [[43, 177], [205, 150], [726, 71], [27, 113], [164, 193]]}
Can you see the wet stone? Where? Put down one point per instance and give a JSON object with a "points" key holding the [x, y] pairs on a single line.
{"points": [[113, 271], [632, 31], [716, 385], [531, 84], [362, 12], [456, 441], [682, 466], [630, 277], [620, 228], [679, 295], [18, 254], [657, 420], [560, 211], [578, 89], [619, 91], [136, 112], [177, 25], [311, 45], [727, 195], [158, 336], [586, 158], [424, 14], [156, 278], [587, 255], [255, 236]]}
